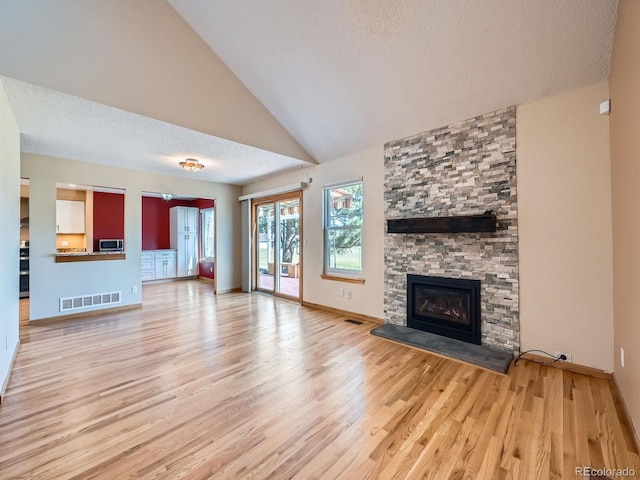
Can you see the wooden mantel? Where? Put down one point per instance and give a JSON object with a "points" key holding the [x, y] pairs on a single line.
{"points": [[457, 224]]}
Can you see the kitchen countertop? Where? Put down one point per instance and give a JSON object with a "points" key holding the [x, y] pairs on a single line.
{"points": [[64, 254], [65, 257]]}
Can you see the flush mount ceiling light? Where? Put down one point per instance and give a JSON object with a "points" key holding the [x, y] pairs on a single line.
{"points": [[191, 164], [167, 196]]}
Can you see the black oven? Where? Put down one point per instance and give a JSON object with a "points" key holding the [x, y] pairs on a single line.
{"points": [[24, 272]]}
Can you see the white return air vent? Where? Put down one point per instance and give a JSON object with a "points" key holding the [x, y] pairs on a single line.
{"points": [[85, 301]]}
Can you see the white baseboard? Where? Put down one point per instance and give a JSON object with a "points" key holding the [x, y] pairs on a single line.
{"points": [[5, 384]]}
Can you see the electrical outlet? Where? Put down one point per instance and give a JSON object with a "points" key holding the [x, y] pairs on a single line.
{"points": [[622, 356], [211, 269], [134, 289], [305, 243], [342, 292], [566, 355], [349, 295]]}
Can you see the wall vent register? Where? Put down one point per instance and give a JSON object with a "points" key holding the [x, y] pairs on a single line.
{"points": [[92, 300]]}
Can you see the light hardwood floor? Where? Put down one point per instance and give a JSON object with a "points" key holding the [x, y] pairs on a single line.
{"points": [[246, 386]]}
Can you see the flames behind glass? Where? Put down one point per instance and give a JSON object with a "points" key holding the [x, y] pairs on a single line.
{"points": [[448, 305]]}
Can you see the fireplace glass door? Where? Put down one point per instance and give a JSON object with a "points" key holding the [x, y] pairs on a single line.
{"points": [[444, 306]]}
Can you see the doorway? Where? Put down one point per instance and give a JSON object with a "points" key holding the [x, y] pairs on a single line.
{"points": [[178, 238], [277, 227], [24, 254]]}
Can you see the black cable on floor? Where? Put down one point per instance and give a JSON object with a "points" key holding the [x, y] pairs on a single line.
{"points": [[555, 359]]}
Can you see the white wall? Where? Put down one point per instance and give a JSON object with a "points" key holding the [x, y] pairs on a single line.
{"points": [[564, 223], [139, 56], [50, 281], [10, 238], [366, 299], [564, 217]]}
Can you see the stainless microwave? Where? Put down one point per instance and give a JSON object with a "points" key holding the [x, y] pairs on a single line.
{"points": [[111, 245]]}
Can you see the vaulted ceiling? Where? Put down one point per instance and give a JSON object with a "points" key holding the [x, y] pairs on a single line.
{"points": [[344, 75], [304, 81]]}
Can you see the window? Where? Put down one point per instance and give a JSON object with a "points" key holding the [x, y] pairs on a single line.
{"points": [[343, 220], [208, 249]]}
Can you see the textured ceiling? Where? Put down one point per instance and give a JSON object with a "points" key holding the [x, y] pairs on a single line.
{"points": [[60, 125], [344, 75], [139, 56], [339, 75]]}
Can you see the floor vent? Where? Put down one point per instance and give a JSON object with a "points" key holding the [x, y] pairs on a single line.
{"points": [[355, 322], [85, 301]]}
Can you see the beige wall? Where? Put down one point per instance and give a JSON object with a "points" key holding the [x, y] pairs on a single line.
{"points": [[366, 299], [624, 84], [51, 281], [10, 238], [139, 56], [564, 221], [564, 226]]}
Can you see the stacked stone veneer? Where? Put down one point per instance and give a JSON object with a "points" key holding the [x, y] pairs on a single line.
{"points": [[461, 169]]}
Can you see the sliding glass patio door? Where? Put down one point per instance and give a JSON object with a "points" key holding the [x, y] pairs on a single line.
{"points": [[278, 259], [265, 244]]}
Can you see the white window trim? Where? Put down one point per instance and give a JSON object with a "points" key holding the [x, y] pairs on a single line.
{"points": [[202, 212], [326, 200]]}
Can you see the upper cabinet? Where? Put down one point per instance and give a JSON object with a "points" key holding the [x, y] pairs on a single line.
{"points": [[70, 216], [184, 219]]}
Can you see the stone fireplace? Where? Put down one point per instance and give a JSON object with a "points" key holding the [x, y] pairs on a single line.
{"points": [[463, 169]]}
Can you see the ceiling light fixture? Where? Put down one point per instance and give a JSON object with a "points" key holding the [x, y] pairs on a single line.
{"points": [[167, 196], [191, 164]]}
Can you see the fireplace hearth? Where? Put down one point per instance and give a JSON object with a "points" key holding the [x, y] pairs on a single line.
{"points": [[444, 306]]}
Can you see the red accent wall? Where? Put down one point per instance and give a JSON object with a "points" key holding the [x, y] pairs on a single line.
{"points": [[205, 269], [155, 221], [203, 203], [108, 216]]}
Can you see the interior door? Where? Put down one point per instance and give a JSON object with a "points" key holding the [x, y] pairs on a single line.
{"points": [[277, 237]]}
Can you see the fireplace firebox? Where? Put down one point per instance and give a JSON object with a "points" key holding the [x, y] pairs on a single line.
{"points": [[444, 306]]}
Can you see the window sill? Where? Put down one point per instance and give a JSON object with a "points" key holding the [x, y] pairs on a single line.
{"points": [[336, 278]]}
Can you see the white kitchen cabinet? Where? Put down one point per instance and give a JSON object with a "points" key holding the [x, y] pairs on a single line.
{"points": [[187, 255], [148, 265], [184, 219], [186, 245], [158, 264], [183, 236], [165, 263], [69, 216]]}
